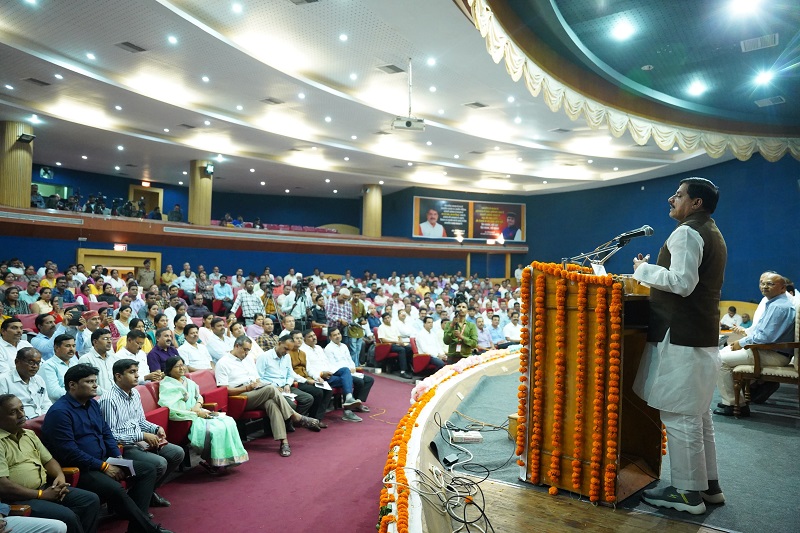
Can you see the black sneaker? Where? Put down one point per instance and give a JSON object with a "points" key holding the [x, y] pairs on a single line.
{"points": [[764, 391], [727, 410], [690, 501]]}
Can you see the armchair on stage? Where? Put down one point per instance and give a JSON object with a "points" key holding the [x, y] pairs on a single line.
{"points": [[581, 428]]}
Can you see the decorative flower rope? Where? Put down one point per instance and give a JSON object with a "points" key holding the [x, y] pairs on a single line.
{"points": [[535, 448], [613, 398], [599, 386], [559, 390], [524, 359], [580, 387]]}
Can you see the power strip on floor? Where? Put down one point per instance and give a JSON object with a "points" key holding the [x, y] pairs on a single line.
{"points": [[467, 436]]}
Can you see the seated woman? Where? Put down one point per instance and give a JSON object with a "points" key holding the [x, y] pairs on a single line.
{"points": [[214, 435], [13, 305], [136, 323], [121, 325], [44, 304], [108, 296], [85, 295], [256, 329], [180, 322], [160, 321], [205, 330]]}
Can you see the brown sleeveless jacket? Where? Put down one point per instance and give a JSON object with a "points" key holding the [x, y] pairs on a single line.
{"points": [[692, 320]]}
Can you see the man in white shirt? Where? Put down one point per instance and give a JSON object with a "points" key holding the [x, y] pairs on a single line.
{"points": [[388, 333], [215, 275], [194, 354], [11, 342], [318, 366], [53, 370], [91, 321], [236, 372], [431, 343], [23, 383], [339, 357], [513, 330], [431, 227], [187, 282], [405, 327], [133, 350], [103, 358], [218, 344], [730, 319]]}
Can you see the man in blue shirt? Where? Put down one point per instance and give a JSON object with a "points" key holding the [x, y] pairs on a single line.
{"points": [[776, 325], [61, 291], [48, 331], [224, 293], [77, 435]]}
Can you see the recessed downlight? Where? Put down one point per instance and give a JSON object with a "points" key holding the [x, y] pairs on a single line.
{"points": [[343, 37], [335, 191], [263, 183], [252, 170], [172, 39], [180, 183], [207, 122], [301, 96], [120, 147], [116, 167], [166, 130], [380, 182], [58, 76], [328, 119], [239, 107], [286, 191], [622, 30], [118, 107], [431, 61], [510, 99], [206, 79], [84, 157], [58, 163], [91, 56], [697, 88], [764, 77], [327, 180]]}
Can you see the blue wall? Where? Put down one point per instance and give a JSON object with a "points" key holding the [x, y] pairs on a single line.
{"points": [[288, 209]]}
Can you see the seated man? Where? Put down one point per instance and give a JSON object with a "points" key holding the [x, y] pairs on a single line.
{"points": [[134, 342], [238, 373], [319, 367], [25, 465], [730, 319], [194, 353], [162, 351], [23, 383], [338, 355], [776, 325], [102, 357], [48, 331], [11, 342], [388, 333], [198, 308], [218, 343], [274, 368], [77, 435], [53, 369], [268, 340], [484, 336], [430, 342], [746, 321], [141, 440], [307, 382], [513, 330]]}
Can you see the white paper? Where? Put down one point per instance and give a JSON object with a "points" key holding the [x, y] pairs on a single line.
{"points": [[322, 385], [599, 270], [125, 463], [359, 375]]}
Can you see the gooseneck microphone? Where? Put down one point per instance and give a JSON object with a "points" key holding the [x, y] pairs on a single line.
{"points": [[644, 231]]}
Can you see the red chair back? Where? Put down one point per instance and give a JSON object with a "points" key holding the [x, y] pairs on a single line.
{"points": [[29, 322], [152, 411], [413, 343], [207, 383], [197, 320], [35, 425], [96, 306]]}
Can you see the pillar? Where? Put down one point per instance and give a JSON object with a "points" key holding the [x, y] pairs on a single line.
{"points": [[372, 211], [469, 264], [16, 165], [200, 188], [508, 266]]}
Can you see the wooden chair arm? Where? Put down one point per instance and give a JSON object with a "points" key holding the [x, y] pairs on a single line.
{"points": [[211, 406], [774, 346], [70, 470], [422, 354], [20, 510]]}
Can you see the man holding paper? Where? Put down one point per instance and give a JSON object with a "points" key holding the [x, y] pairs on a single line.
{"points": [[141, 440], [275, 368], [76, 434]]}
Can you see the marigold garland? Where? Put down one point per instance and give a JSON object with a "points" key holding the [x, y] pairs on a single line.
{"points": [[535, 448], [559, 390], [580, 387], [613, 398], [599, 385], [524, 358]]}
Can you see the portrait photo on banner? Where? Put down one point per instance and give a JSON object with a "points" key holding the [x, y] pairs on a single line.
{"points": [[439, 218]]}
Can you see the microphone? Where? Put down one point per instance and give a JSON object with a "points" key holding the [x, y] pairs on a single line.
{"points": [[644, 231]]}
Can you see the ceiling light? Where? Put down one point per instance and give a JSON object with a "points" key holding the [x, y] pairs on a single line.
{"points": [[207, 122], [180, 183], [58, 163], [517, 120], [510, 99], [622, 30], [286, 191], [431, 61], [239, 107], [496, 148], [335, 191], [219, 158], [764, 77], [59, 76], [91, 56], [120, 147], [205, 79], [674, 148], [508, 175], [166, 130], [35, 119], [744, 7], [116, 167], [354, 137], [10, 87], [263, 183], [301, 96], [31, 2], [441, 111], [519, 159], [118, 107], [84, 157], [185, 173], [590, 161], [327, 180], [343, 37], [432, 89], [313, 147], [172, 39], [455, 156], [410, 163], [353, 76], [328, 119], [347, 159], [380, 182], [697, 88], [236, 8], [444, 172], [616, 168], [429, 143], [252, 170]]}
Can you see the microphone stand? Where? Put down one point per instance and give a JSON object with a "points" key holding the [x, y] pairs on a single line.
{"points": [[599, 255]]}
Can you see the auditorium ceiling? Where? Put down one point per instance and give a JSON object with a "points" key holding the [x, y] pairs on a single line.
{"points": [[298, 96]]}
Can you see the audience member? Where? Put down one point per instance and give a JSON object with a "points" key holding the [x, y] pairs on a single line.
{"points": [[249, 302], [194, 353], [431, 343], [133, 350], [141, 440], [746, 321], [48, 331], [460, 336], [388, 333], [274, 368], [163, 350], [307, 382], [339, 357], [77, 435], [513, 330], [320, 368], [31, 294], [11, 342], [145, 276], [52, 371], [730, 319], [24, 383], [102, 358]]}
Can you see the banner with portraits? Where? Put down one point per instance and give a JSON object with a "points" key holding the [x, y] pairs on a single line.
{"points": [[443, 218]]}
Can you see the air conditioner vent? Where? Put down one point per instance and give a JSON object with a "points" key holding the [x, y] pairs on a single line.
{"points": [[130, 47], [765, 102], [391, 69], [559, 130], [272, 101], [476, 105], [34, 81], [757, 43], [187, 126]]}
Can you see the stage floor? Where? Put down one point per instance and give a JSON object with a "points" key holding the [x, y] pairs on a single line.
{"points": [[514, 509]]}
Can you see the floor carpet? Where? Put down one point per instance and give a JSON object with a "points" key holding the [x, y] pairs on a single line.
{"points": [[756, 459], [331, 482]]}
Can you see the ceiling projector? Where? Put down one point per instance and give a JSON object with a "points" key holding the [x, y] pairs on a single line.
{"points": [[408, 124]]}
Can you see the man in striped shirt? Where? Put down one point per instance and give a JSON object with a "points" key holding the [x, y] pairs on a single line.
{"points": [[141, 440]]}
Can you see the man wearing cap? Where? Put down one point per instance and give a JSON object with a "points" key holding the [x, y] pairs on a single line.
{"points": [[90, 322]]}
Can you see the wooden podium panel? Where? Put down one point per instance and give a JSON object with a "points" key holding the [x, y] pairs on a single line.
{"points": [[635, 453]]}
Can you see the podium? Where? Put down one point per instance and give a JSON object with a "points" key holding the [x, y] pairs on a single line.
{"points": [[581, 427]]}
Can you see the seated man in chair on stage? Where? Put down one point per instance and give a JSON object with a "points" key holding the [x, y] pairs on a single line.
{"points": [[775, 325]]}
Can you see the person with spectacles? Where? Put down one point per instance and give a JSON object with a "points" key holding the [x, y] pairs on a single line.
{"points": [[24, 383]]}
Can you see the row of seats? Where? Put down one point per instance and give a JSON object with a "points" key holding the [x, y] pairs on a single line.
{"points": [[283, 227]]}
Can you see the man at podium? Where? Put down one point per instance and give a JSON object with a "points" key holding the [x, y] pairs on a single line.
{"points": [[679, 367]]}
